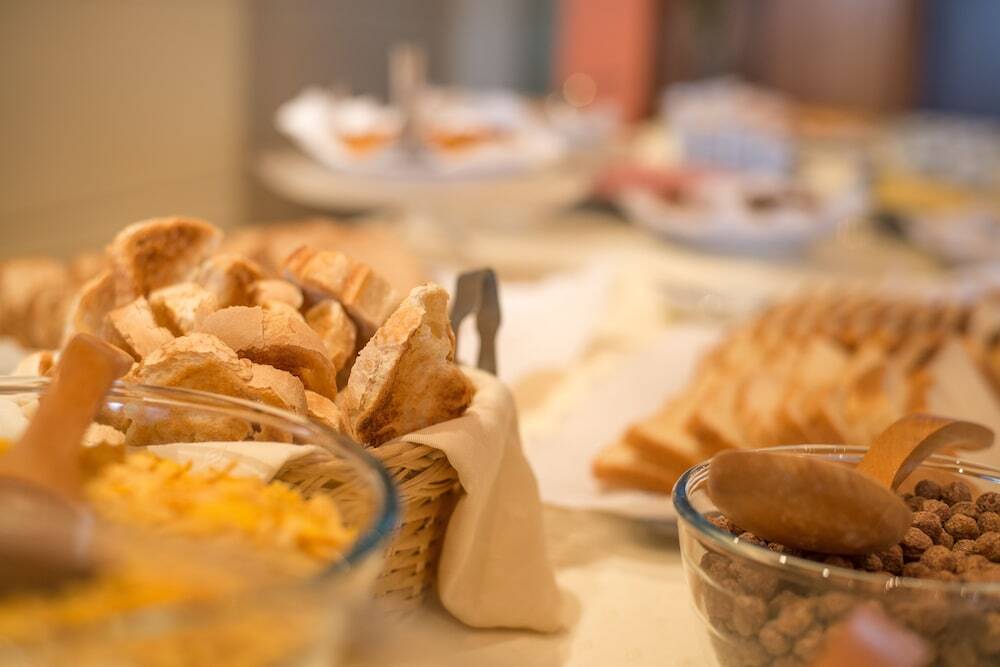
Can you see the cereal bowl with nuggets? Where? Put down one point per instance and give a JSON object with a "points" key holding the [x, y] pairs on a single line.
{"points": [[205, 553], [767, 603]]}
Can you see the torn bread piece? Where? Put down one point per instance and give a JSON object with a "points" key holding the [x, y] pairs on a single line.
{"points": [[230, 278], [279, 388], [37, 364], [329, 319], [323, 274], [623, 466], [155, 253], [134, 329], [271, 290], [322, 409], [181, 307], [196, 361], [405, 378], [278, 339], [90, 307]]}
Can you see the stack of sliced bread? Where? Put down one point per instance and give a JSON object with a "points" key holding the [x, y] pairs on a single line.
{"points": [[326, 337], [825, 368]]}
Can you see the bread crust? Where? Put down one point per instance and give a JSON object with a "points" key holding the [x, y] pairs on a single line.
{"points": [[329, 319], [158, 252], [405, 378], [325, 274], [278, 339]]}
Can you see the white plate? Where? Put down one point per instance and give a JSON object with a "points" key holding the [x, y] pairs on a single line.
{"points": [[309, 118], [562, 459], [781, 233]]}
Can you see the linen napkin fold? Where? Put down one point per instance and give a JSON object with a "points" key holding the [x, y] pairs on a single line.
{"points": [[247, 459], [494, 571]]}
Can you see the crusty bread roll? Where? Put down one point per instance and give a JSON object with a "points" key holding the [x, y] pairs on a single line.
{"points": [[230, 278], [134, 329], [155, 253], [278, 339], [324, 274], [181, 307], [329, 319], [405, 378]]}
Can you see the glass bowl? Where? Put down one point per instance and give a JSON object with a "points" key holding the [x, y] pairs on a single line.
{"points": [[297, 621], [766, 608]]}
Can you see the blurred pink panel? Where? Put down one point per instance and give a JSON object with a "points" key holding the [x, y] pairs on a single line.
{"points": [[611, 42]]}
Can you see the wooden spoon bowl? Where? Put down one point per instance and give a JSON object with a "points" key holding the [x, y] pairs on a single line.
{"points": [[815, 505]]}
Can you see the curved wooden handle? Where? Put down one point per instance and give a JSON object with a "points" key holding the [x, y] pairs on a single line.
{"points": [[47, 453], [899, 449]]}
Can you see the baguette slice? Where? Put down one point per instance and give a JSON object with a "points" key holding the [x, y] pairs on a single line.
{"points": [[405, 378], [323, 274], [195, 361], [279, 388], [155, 253], [134, 329], [276, 338], [662, 437], [620, 465], [270, 290]]}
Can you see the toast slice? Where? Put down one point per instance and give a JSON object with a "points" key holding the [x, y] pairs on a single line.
{"points": [[620, 465]]}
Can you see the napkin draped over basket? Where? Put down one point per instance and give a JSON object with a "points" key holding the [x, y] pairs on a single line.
{"points": [[471, 519]]}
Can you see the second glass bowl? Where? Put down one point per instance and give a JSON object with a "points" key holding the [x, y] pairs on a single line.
{"points": [[766, 608]]}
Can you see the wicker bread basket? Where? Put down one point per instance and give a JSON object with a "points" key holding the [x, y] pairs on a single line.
{"points": [[428, 487], [427, 483]]}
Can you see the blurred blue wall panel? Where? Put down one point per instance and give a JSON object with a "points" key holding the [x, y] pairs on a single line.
{"points": [[963, 56]]}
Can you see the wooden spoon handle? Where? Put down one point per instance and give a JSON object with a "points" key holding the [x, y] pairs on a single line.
{"points": [[899, 449], [47, 453]]}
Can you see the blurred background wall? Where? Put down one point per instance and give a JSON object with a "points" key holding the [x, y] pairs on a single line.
{"points": [[119, 109], [115, 110]]}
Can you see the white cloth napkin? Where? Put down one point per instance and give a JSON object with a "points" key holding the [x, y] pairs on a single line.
{"points": [[494, 570], [249, 459]]}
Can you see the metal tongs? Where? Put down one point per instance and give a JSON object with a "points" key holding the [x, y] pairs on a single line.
{"points": [[476, 293]]}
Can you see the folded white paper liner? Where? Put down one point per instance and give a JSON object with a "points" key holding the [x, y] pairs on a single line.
{"points": [[494, 570]]}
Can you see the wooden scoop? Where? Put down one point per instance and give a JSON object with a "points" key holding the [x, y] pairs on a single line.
{"points": [[822, 506], [44, 533]]}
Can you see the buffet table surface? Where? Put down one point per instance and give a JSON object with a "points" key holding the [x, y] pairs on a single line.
{"points": [[624, 579]]}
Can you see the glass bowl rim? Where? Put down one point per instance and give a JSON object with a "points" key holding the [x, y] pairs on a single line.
{"points": [[386, 516], [794, 565]]}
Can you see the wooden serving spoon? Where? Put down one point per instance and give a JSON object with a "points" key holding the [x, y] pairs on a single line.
{"points": [[816, 505], [44, 532]]}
